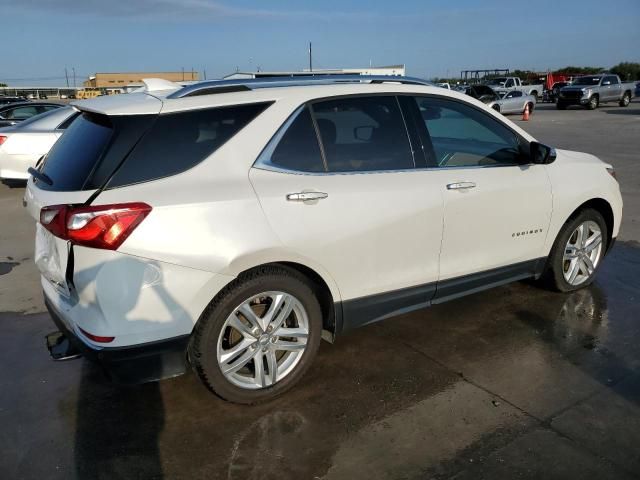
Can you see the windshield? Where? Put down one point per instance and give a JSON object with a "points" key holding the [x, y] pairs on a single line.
{"points": [[497, 81], [587, 81]]}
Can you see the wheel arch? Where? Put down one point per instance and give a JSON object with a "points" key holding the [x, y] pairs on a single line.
{"points": [[327, 291], [604, 208]]}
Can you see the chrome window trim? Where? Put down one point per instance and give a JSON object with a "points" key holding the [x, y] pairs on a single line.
{"points": [[273, 168]]}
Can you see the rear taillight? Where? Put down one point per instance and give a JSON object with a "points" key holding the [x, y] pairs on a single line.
{"points": [[3, 139], [100, 226], [97, 338]]}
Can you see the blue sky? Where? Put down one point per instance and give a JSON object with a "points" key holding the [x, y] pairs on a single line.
{"points": [[432, 38]]}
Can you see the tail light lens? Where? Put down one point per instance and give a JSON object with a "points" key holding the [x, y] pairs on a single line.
{"points": [[3, 139], [97, 338], [100, 226]]}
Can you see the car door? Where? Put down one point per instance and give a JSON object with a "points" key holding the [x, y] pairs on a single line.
{"points": [[496, 209], [512, 102], [616, 88], [606, 89], [340, 187]]}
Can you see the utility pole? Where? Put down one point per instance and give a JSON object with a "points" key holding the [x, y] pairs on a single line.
{"points": [[66, 75], [73, 69], [183, 74], [310, 58], [204, 72]]}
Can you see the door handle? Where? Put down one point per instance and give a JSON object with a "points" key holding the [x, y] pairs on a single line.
{"points": [[306, 196], [461, 185]]}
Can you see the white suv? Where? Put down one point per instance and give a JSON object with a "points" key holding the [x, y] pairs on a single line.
{"points": [[231, 226]]}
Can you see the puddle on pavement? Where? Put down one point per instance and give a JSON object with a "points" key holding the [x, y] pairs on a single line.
{"points": [[6, 267]]}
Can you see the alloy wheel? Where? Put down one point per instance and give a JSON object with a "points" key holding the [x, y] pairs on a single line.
{"points": [[582, 253], [263, 340]]}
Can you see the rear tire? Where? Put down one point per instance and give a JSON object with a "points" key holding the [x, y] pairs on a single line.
{"points": [[594, 101], [226, 336], [570, 248], [625, 100]]}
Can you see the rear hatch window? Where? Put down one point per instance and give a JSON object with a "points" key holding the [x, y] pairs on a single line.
{"points": [[90, 149]]}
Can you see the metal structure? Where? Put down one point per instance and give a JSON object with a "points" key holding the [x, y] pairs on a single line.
{"points": [[471, 77]]}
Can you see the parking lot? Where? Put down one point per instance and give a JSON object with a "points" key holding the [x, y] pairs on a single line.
{"points": [[514, 382]]}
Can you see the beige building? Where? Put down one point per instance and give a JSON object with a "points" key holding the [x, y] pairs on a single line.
{"points": [[124, 79]]}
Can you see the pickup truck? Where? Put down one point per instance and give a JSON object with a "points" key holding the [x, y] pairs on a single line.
{"points": [[592, 90], [502, 85]]}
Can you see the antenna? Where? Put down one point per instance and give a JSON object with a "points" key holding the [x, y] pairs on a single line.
{"points": [[310, 58]]}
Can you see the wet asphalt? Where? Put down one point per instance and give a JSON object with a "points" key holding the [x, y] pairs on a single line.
{"points": [[515, 382]]}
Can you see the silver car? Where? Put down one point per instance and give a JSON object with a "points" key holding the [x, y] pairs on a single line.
{"points": [[513, 102], [22, 145]]}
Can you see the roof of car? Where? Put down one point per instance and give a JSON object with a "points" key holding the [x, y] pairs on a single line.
{"points": [[217, 94]]}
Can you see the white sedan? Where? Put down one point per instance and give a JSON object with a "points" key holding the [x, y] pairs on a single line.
{"points": [[22, 145]]}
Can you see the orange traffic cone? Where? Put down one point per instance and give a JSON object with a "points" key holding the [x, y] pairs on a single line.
{"points": [[525, 114]]}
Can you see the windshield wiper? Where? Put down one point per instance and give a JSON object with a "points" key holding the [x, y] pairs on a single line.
{"points": [[40, 176]]}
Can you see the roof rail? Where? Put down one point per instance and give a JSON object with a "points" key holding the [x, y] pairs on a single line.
{"points": [[237, 85]]}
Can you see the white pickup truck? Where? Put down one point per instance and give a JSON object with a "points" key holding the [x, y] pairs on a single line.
{"points": [[502, 85]]}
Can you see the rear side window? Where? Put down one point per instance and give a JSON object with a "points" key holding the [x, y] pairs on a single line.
{"points": [[362, 134], [179, 141], [20, 113], [295, 147]]}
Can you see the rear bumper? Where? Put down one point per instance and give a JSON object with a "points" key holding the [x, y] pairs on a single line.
{"points": [[135, 364]]}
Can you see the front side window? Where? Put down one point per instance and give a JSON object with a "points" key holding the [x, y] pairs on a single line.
{"points": [[361, 134], [463, 136]]}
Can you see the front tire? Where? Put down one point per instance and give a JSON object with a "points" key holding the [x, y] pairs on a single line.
{"points": [[577, 252], [258, 337], [625, 100], [594, 101], [531, 107]]}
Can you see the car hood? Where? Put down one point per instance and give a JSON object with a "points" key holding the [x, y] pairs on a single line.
{"points": [[574, 88]]}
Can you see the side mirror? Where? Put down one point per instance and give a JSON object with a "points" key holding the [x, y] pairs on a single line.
{"points": [[541, 154], [363, 133]]}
